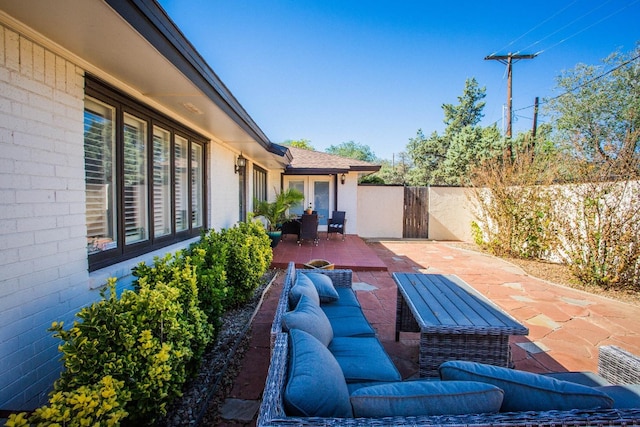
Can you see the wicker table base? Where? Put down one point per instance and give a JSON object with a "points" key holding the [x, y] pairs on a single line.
{"points": [[455, 322]]}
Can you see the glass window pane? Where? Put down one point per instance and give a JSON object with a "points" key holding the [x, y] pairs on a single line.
{"points": [[182, 183], [99, 165], [136, 223], [259, 184], [162, 223], [321, 200], [196, 186], [299, 207]]}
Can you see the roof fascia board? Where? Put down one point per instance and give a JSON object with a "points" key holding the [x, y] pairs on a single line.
{"points": [[314, 171], [152, 22]]}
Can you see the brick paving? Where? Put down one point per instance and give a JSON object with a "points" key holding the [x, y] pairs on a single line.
{"points": [[566, 326]]}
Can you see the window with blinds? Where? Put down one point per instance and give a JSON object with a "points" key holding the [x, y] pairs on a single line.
{"points": [[259, 183], [144, 178], [99, 165], [162, 223], [197, 195], [181, 184], [136, 218]]}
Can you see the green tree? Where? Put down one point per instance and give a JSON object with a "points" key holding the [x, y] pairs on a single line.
{"points": [[305, 144], [353, 150], [597, 117], [469, 110], [392, 172], [448, 158]]}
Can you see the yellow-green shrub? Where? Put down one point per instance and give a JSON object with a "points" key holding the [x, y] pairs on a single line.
{"points": [[100, 405], [143, 338]]}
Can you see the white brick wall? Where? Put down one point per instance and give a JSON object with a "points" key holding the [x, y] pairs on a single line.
{"points": [[43, 261]]}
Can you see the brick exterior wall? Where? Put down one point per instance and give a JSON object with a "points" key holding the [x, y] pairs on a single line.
{"points": [[43, 258]]}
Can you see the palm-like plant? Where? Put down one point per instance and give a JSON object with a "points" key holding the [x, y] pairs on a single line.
{"points": [[276, 212]]}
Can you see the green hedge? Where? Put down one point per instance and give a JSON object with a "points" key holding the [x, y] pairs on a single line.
{"points": [[126, 358]]}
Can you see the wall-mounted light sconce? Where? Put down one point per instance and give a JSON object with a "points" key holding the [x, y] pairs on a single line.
{"points": [[241, 162], [343, 178]]}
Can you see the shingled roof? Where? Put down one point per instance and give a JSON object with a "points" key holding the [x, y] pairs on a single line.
{"points": [[306, 162]]}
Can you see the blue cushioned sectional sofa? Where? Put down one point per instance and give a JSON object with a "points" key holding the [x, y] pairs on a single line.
{"points": [[328, 368]]}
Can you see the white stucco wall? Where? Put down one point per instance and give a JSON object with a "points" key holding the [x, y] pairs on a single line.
{"points": [[380, 211], [348, 202], [223, 187], [450, 214]]}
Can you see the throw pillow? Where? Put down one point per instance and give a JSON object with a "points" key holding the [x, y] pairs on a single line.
{"points": [[415, 398], [315, 384], [309, 317], [302, 286], [525, 391], [324, 286]]}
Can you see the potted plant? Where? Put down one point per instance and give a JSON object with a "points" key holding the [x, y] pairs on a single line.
{"points": [[309, 210], [277, 212]]}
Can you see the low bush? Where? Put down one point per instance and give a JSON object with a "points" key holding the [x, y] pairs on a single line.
{"points": [[126, 358]]}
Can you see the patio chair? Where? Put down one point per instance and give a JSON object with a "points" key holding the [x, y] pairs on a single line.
{"points": [[291, 227], [308, 228], [336, 223]]}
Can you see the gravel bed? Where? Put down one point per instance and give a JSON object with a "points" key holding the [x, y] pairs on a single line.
{"points": [[204, 394]]}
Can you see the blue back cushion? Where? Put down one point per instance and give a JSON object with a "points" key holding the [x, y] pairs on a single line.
{"points": [[302, 286], [309, 317], [324, 286], [315, 384], [525, 391]]}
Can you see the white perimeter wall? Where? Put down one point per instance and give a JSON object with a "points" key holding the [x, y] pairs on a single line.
{"points": [[450, 214], [381, 211]]}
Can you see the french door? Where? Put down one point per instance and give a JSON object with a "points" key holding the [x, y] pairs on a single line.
{"points": [[316, 190]]}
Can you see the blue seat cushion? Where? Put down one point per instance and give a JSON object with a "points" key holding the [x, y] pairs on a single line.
{"points": [[310, 318], [525, 391], [315, 384], [416, 398], [302, 286], [363, 359], [624, 395], [587, 378], [347, 297], [324, 286], [348, 321]]}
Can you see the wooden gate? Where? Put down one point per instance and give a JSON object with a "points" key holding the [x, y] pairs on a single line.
{"points": [[416, 213]]}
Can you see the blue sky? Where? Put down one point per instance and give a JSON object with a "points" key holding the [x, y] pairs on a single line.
{"points": [[374, 72]]}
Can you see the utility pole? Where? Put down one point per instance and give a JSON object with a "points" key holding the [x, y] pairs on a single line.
{"points": [[509, 60]]}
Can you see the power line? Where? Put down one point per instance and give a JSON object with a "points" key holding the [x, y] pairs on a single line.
{"points": [[629, 61], [566, 26], [588, 82], [592, 25], [535, 27]]}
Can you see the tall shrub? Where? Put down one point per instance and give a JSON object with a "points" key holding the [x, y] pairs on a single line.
{"points": [[177, 271], [601, 233], [514, 207], [248, 258]]}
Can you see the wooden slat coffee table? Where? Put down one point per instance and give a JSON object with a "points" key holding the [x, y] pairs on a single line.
{"points": [[455, 321]]}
